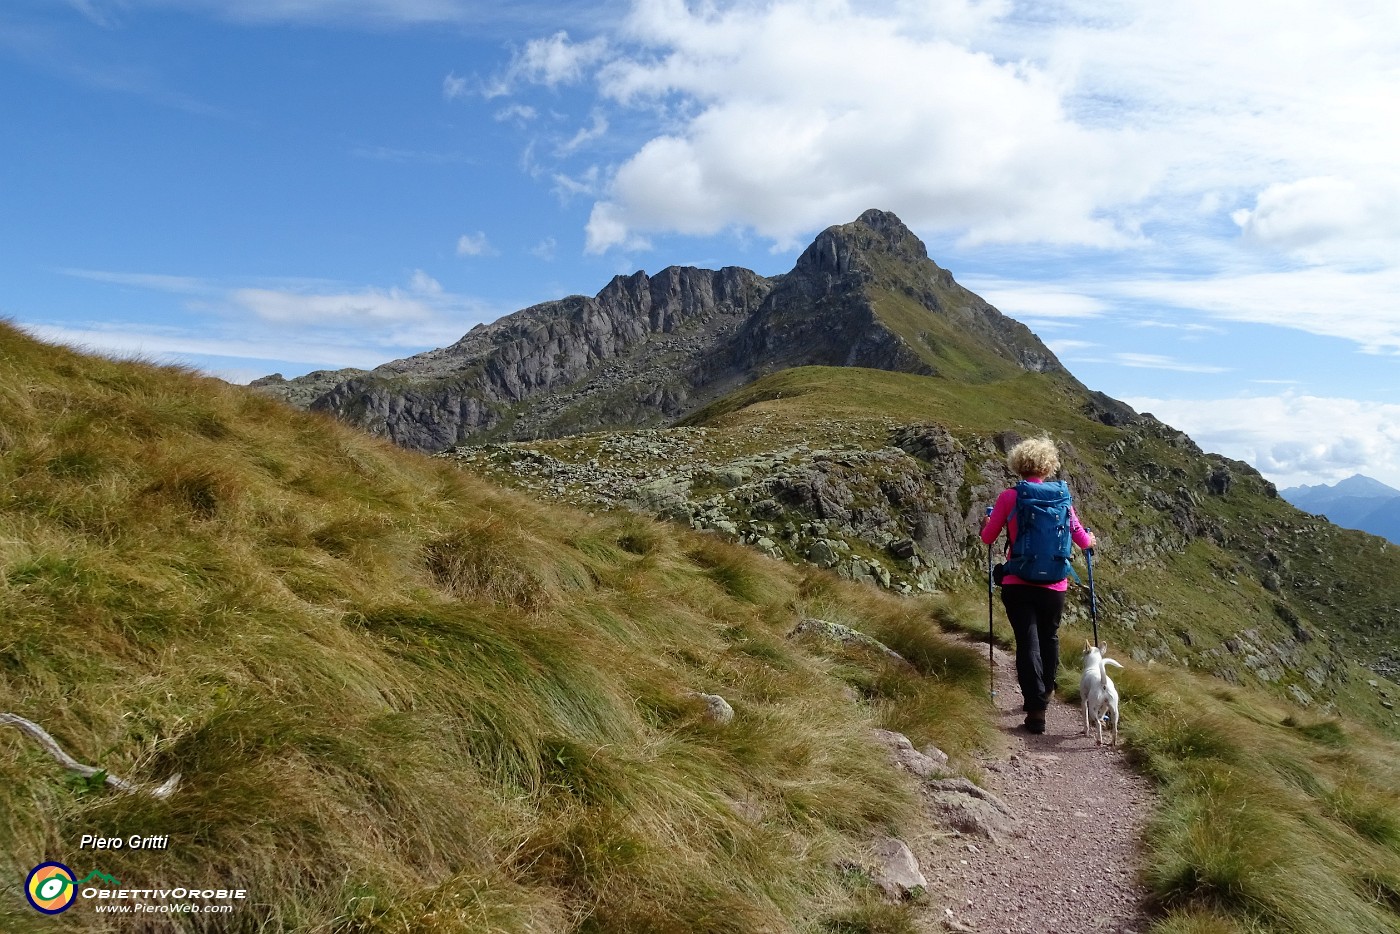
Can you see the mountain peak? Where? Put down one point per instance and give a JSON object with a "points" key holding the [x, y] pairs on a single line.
{"points": [[1362, 485], [652, 349], [840, 248], [885, 222]]}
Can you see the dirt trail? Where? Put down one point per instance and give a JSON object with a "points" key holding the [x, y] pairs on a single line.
{"points": [[1070, 865]]}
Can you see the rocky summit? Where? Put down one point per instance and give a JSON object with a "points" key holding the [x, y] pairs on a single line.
{"points": [[648, 350]]}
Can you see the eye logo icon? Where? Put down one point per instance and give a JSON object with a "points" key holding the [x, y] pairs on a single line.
{"points": [[51, 888]]}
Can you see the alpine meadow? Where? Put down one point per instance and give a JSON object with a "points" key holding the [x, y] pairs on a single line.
{"points": [[602, 619]]}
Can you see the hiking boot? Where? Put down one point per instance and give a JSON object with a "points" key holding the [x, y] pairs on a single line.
{"points": [[1035, 721]]}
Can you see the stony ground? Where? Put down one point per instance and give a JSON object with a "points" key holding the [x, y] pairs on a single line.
{"points": [[1070, 863]]}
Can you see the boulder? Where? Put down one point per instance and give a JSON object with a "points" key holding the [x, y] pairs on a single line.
{"points": [[896, 870]]}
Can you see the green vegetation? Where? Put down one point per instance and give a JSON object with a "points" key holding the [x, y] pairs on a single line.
{"points": [[402, 699], [1269, 822]]}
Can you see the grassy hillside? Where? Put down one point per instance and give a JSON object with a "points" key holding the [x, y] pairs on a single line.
{"points": [[401, 699], [1238, 617], [1240, 583]]}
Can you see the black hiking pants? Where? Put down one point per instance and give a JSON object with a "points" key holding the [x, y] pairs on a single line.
{"points": [[1034, 614]]}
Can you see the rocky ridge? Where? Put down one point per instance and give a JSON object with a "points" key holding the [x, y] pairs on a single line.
{"points": [[650, 350], [896, 505]]}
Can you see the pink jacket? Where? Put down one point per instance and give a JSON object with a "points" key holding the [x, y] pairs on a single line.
{"points": [[1004, 515]]}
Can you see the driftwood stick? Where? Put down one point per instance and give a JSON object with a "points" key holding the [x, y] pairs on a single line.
{"points": [[51, 746]]}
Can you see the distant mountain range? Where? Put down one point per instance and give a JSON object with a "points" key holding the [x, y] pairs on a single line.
{"points": [[1355, 503]]}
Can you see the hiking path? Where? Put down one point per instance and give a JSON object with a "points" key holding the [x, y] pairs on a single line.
{"points": [[1070, 863]]}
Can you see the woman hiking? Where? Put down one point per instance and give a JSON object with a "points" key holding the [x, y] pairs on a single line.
{"points": [[1038, 515]]}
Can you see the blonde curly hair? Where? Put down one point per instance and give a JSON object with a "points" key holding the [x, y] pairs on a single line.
{"points": [[1034, 457]]}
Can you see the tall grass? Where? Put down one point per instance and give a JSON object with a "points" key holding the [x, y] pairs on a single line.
{"points": [[403, 700], [1268, 822]]}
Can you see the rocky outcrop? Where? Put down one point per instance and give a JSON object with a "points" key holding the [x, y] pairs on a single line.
{"points": [[650, 350], [559, 367]]}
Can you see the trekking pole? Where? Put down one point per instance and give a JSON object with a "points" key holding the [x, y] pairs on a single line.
{"points": [[1093, 601], [991, 637]]}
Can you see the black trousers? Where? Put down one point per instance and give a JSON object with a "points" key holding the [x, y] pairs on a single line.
{"points": [[1034, 613]]}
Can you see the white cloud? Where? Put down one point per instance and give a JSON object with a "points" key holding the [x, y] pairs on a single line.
{"points": [[308, 321], [474, 245], [1325, 218], [1359, 307], [517, 113], [454, 87], [1149, 361], [794, 113], [1292, 439], [555, 60], [1076, 349], [177, 345], [99, 14], [155, 282], [545, 249], [1022, 300], [567, 187], [349, 308], [1132, 125], [585, 135]]}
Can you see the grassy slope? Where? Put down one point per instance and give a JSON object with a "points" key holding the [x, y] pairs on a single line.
{"points": [[403, 700], [1273, 820], [1340, 586]]}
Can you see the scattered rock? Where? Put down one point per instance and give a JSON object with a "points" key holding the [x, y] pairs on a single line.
{"points": [[909, 759], [717, 709], [897, 872], [845, 635], [962, 806]]}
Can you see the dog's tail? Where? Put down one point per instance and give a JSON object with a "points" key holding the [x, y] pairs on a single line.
{"points": [[1103, 671]]}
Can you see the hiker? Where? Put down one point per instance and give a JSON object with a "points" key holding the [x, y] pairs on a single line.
{"points": [[1035, 575]]}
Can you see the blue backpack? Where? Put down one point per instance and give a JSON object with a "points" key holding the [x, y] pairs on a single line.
{"points": [[1043, 548]]}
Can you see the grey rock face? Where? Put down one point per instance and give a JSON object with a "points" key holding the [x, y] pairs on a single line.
{"points": [[583, 362], [962, 806], [649, 350]]}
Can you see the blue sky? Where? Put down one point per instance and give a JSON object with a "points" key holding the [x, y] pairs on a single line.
{"points": [[1197, 205]]}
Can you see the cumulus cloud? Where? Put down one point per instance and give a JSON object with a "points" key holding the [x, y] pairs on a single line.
{"points": [[1325, 218], [1292, 439], [794, 113], [1079, 125]]}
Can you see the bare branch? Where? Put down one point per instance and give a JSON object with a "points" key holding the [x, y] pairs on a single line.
{"points": [[51, 746]]}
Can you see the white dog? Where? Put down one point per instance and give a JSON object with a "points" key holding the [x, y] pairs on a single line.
{"points": [[1097, 691]]}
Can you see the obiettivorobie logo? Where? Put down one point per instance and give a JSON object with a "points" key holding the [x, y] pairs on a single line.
{"points": [[52, 889]]}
